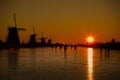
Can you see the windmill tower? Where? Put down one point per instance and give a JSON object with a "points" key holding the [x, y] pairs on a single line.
{"points": [[43, 42], [33, 37], [13, 37]]}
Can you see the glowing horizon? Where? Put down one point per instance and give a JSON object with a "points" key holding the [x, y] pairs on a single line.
{"points": [[65, 21]]}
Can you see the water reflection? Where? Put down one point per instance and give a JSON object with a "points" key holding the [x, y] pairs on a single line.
{"points": [[65, 55], [13, 58], [90, 64], [104, 55]]}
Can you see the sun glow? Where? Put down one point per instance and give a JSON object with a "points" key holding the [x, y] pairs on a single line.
{"points": [[90, 39]]}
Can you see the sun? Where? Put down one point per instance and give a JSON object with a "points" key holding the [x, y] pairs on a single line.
{"points": [[90, 39]]}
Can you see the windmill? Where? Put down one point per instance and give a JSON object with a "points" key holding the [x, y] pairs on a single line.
{"points": [[33, 37], [43, 39], [13, 37]]}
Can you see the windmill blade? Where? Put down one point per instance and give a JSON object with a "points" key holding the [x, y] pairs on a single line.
{"points": [[43, 37], [21, 28], [34, 30], [15, 19]]}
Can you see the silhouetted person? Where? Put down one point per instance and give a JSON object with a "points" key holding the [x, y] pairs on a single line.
{"points": [[65, 47], [100, 49], [108, 50], [56, 45], [60, 46], [75, 47], [65, 52], [101, 56], [105, 50], [75, 56], [71, 46], [65, 55], [52, 46]]}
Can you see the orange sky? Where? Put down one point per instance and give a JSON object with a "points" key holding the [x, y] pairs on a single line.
{"points": [[66, 21]]}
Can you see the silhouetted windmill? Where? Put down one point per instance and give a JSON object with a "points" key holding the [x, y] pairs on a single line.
{"points": [[43, 39], [33, 37], [13, 37]]}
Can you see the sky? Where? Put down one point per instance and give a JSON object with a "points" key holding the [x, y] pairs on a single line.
{"points": [[65, 21]]}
